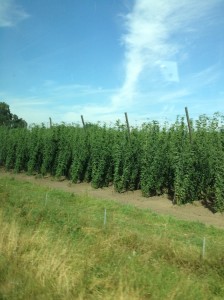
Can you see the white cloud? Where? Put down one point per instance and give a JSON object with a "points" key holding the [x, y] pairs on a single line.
{"points": [[149, 43], [11, 14], [151, 48], [63, 103], [77, 90], [31, 109], [173, 97], [207, 76]]}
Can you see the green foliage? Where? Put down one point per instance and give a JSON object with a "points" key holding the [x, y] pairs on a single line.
{"points": [[50, 149], [80, 155], [21, 151], [5, 114], [54, 245], [3, 145], [8, 119], [64, 152], [183, 163], [154, 164], [154, 158], [126, 159], [101, 141], [11, 144], [35, 149]]}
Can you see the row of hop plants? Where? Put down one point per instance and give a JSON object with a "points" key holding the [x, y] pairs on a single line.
{"points": [[156, 159]]}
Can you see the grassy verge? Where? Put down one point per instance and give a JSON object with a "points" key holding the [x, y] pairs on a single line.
{"points": [[55, 245]]}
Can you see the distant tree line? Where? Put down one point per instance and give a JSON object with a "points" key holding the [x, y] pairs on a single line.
{"points": [[8, 119]]}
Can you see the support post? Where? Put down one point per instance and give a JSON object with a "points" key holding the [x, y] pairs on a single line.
{"points": [[189, 124], [50, 122], [128, 127], [83, 122]]}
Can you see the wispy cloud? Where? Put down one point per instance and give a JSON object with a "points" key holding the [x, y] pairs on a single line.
{"points": [[207, 76], [156, 40], [73, 89], [11, 13], [63, 103], [78, 90], [149, 43]]}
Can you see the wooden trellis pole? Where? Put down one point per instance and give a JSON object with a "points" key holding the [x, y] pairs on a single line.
{"points": [[128, 127], [189, 124], [83, 122]]}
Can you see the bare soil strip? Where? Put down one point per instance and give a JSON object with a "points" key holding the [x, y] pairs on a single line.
{"points": [[160, 205]]}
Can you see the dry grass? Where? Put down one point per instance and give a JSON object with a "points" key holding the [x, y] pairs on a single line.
{"points": [[49, 262], [53, 263], [55, 259]]}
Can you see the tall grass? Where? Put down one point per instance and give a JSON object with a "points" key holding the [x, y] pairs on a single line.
{"points": [[54, 245]]}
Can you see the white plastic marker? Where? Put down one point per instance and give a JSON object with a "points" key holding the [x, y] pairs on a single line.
{"points": [[203, 248], [105, 217]]}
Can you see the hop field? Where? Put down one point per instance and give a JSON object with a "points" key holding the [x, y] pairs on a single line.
{"points": [[154, 158]]}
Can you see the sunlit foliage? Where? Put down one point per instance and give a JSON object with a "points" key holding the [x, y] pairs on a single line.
{"points": [[154, 158]]}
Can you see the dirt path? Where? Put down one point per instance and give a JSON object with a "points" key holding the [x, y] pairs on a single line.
{"points": [[161, 205]]}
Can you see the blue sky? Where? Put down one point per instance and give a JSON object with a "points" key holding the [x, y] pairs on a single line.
{"points": [[101, 58]]}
